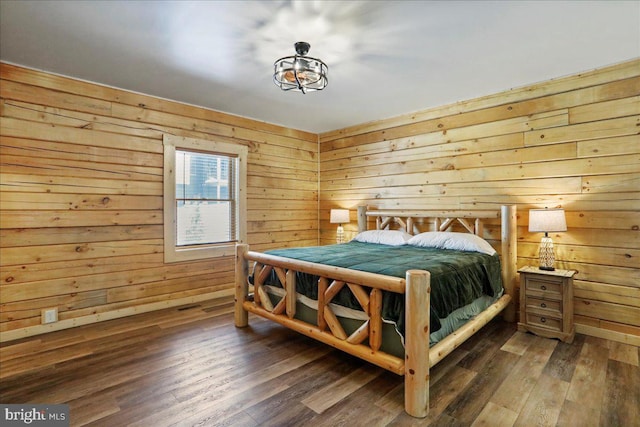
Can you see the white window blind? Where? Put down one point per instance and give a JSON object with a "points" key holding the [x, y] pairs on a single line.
{"points": [[206, 206]]}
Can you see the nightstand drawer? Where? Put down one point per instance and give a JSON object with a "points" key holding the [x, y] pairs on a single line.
{"points": [[544, 306], [544, 289], [544, 321]]}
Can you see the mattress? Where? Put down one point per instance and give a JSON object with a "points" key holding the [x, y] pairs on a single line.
{"points": [[458, 278], [392, 339]]}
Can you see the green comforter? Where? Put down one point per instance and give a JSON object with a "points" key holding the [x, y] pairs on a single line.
{"points": [[457, 278]]}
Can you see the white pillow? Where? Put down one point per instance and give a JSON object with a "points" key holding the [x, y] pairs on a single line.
{"points": [[383, 237], [450, 240]]}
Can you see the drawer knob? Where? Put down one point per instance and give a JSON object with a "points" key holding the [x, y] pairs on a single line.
{"points": [[543, 287], [543, 305], [543, 319]]}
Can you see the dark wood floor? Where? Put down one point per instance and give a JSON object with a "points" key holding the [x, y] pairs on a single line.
{"points": [[191, 366]]}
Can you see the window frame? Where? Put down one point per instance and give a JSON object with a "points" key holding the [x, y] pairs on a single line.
{"points": [[174, 253]]}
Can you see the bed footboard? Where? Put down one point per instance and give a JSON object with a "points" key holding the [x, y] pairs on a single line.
{"points": [[364, 343]]}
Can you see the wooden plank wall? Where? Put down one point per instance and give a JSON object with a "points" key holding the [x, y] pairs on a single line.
{"points": [[571, 143], [81, 199], [81, 189]]}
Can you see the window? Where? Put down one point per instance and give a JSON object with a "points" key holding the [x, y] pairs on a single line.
{"points": [[204, 198]]}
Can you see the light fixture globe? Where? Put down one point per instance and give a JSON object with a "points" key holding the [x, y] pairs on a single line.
{"points": [[300, 72]]}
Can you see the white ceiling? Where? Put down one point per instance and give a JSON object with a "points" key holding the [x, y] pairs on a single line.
{"points": [[385, 58]]}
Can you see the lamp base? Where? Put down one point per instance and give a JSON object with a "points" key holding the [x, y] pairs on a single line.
{"points": [[547, 255], [340, 235]]}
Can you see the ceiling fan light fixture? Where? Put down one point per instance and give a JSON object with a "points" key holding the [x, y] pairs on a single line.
{"points": [[300, 72]]}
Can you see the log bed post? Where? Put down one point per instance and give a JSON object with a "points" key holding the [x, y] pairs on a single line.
{"points": [[241, 316], [509, 257], [362, 218], [416, 367]]}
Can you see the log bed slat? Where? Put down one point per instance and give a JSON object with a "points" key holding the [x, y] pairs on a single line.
{"points": [[446, 224], [290, 296], [261, 297], [361, 295], [282, 275], [264, 273], [257, 284], [360, 334], [375, 319], [280, 307], [333, 290], [334, 324], [470, 228], [323, 284]]}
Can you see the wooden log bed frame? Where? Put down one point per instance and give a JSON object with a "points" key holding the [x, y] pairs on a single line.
{"points": [[367, 287]]}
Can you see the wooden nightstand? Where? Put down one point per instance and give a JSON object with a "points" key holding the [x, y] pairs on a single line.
{"points": [[546, 303]]}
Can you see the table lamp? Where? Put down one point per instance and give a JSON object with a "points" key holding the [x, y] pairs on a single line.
{"points": [[547, 220], [339, 216]]}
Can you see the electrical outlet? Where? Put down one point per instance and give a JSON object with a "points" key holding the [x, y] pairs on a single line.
{"points": [[49, 315]]}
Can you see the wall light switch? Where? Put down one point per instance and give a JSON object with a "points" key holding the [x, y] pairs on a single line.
{"points": [[49, 315]]}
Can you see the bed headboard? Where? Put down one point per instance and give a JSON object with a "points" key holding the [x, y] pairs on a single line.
{"points": [[471, 221]]}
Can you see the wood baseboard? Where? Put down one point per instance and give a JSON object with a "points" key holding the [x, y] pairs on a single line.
{"points": [[99, 317], [608, 334]]}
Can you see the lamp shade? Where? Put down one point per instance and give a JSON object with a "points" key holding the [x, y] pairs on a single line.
{"points": [[339, 216], [547, 220]]}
